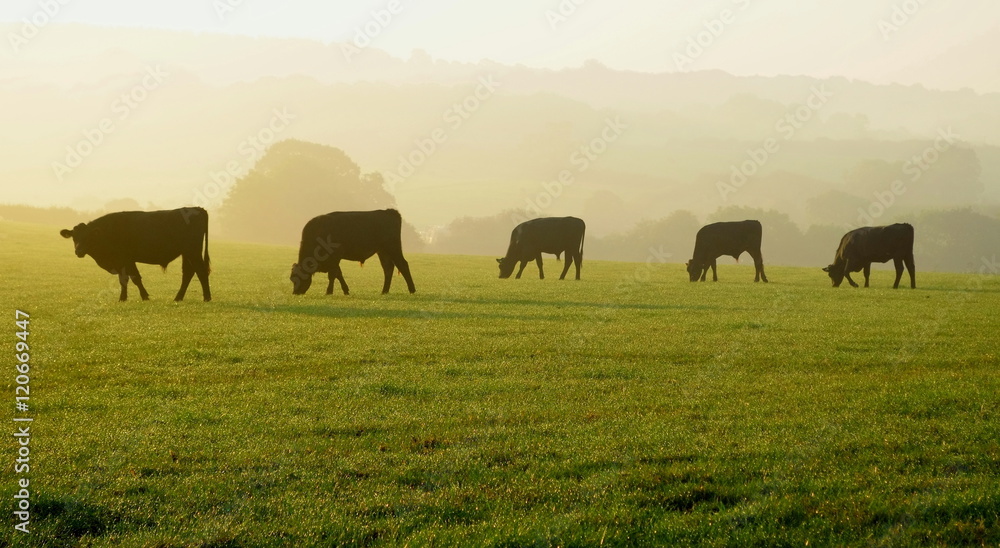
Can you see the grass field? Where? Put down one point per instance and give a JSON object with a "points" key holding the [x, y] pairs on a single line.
{"points": [[629, 408]]}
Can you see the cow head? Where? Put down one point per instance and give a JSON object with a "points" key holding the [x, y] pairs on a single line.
{"points": [[506, 267], [83, 237], [694, 270], [836, 274], [301, 279]]}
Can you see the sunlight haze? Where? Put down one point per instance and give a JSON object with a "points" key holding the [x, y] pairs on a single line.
{"points": [[472, 110]]}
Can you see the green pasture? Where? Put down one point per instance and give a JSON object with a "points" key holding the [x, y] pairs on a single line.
{"points": [[631, 408]]}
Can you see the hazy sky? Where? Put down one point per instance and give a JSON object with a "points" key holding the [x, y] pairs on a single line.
{"points": [[855, 38]]}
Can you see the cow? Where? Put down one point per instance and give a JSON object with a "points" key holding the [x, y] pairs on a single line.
{"points": [[726, 238], [861, 247], [117, 241], [555, 235], [352, 236]]}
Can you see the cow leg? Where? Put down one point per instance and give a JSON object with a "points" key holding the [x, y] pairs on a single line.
{"points": [[330, 276], [569, 261], [704, 273], [715, 277], [538, 261], [898, 263], [201, 269], [758, 266], [847, 273], [387, 269], [520, 270], [868, 273], [191, 265], [123, 280], [187, 272], [579, 263], [912, 269], [404, 269], [133, 273], [337, 273]]}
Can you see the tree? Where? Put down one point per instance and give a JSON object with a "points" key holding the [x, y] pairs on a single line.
{"points": [[478, 235], [671, 237], [958, 240], [294, 182]]}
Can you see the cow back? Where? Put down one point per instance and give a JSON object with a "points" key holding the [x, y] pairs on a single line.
{"points": [[876, 244], [358, 234], [727, 238], [151, 237], [545, 235]]}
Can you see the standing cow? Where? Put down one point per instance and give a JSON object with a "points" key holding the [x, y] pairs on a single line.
{"points": [[861, 247], [727, 238], [553, 235], [352, 236], [117, 241]]}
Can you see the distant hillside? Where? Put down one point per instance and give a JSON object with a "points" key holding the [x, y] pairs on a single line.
{"points": [[174, 118]]}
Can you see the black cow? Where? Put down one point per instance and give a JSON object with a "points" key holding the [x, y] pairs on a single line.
{"points": [[554, 235], [861, 247], [352, 236], [728, 238], [117, 241]]}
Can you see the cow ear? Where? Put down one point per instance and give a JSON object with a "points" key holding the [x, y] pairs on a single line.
{"points": [[827, 269], [500, 260], [66, 233]]}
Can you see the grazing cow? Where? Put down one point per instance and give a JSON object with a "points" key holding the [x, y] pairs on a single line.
{"points": [[728, 238], [352, 236], [861, 247], [554, 235], [117, 241]]}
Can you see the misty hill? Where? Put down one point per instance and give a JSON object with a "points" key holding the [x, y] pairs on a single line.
{"points": [[635, 145]]}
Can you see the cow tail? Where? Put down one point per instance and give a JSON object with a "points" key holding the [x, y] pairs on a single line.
{"points": [[208, 261], [583, 236]]}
